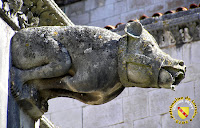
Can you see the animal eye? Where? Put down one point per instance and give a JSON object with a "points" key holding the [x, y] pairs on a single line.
{"points": [[148, 47]]}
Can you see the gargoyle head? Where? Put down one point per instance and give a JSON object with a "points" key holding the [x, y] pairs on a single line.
{"points": [[143, 64]]}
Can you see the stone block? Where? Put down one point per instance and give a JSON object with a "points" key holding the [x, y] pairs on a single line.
{"points": [[80, 19], [71, 118], [160, 100], [174, 52], [62, 104], [102, 12], [99, 23], [112, 20], [103, 115], [135, 107], [197, 92], [89, 5], [138, 90], [137, 4], [192, 73], [100, 3], [76, 9], [120, 7], [195, 52], [135, 14], [149, 122], [187, 54]]}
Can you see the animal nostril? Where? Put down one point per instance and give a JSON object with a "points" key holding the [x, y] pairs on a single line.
{"points": [[181, 63]]}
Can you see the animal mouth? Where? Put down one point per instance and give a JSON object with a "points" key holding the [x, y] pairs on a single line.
{"points": [[170, 77]]}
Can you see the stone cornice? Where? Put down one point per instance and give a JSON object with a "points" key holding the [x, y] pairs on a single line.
{"points": [[172, 29], [31, 13]]}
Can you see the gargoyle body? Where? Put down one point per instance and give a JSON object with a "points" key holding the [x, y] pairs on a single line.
{"points": [[90, 64]]}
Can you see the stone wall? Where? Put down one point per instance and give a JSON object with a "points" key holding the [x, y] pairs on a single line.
{"points": [[110, 12]]}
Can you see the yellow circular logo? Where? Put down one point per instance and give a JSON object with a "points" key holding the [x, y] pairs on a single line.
{"points": [[183, 110]]}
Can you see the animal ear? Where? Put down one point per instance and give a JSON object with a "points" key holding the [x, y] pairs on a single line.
{"points": [[133, 29]]}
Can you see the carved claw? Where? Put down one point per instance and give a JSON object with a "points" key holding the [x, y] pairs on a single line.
{"points": [[16, 82]]}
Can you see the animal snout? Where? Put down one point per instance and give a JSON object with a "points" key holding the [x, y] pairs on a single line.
{"points": [[177, 70]]}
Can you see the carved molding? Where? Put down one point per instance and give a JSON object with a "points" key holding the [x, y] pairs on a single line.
{"points": [[172, 29], [31, 13]]}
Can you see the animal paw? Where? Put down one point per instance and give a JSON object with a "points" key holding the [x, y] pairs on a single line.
{"points": [[16, 83]]}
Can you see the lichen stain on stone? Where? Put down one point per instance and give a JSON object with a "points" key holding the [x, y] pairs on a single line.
{"points": [[100, 37], [55, 33], [27, 44]]}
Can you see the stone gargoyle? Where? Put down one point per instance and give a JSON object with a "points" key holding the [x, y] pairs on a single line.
{"points": [[90, 64]]}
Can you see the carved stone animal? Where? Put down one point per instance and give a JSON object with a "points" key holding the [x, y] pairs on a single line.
{"points": [[90, 64]]}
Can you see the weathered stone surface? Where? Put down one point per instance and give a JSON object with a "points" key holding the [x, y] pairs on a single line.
{"points": [[135, 107], [89, 64], [103, 115], [94, 78], [149, 122]]}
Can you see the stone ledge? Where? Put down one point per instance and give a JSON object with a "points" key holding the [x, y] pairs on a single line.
{"points": [[172, 29]]}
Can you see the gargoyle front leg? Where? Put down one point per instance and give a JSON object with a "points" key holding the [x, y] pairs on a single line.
{"points": [[74, 84], [53, 69]]}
